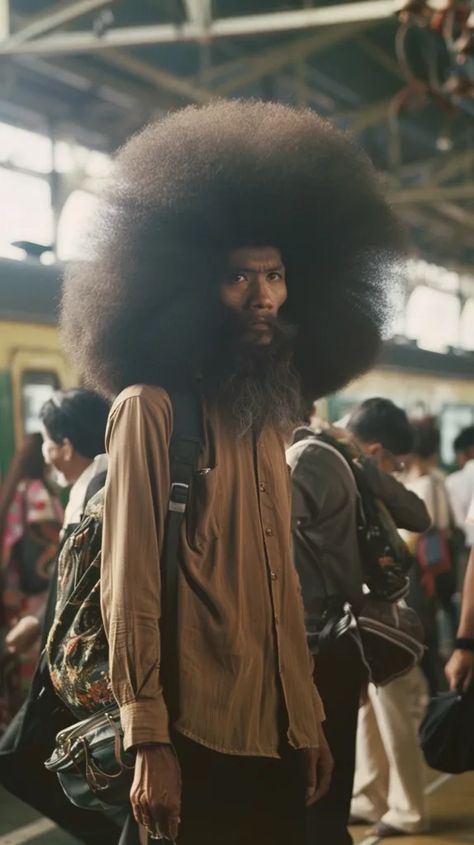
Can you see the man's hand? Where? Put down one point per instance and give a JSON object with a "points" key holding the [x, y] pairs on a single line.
{"points": [[156, 790], [318, 764], [459, 670], [23, 635]]}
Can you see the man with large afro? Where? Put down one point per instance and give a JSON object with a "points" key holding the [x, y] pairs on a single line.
{"points": [[243, 251]]}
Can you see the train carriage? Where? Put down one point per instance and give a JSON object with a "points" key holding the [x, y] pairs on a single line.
{"points": [[32, 363]]}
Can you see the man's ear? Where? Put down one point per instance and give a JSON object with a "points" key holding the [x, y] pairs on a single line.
{"points": [[373, 449], [68, 450]]}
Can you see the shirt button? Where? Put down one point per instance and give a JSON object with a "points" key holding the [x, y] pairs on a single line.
{"points": [[262, 487], [269, 532], [273, 575]]}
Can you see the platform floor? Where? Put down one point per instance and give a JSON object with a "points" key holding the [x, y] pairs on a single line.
{"points": [[451, 805]]}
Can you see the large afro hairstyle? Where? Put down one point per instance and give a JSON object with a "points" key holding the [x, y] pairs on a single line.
{"points": [[142, 306]]}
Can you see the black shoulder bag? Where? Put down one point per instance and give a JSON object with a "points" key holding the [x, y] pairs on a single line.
{"points": [[89, 759]]}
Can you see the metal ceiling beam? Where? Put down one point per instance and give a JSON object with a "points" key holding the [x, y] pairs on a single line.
{"points": [[273, 59], [433, 194], [4, 19], [455, 165], [362, 118], [199, 12], [455, 212], [159, 77], [381, 56], [79, 42], [53, 18]]}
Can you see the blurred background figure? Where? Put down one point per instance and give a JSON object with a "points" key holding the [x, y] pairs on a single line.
{"points": [[460, 484], [389, 776], [434, 578], [30, 519]]}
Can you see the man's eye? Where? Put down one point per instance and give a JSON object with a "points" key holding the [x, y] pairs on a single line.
{"points": [[273, 277], [239, 277]]}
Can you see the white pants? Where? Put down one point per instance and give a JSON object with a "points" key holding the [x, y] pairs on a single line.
{"points": [[389, 777]]}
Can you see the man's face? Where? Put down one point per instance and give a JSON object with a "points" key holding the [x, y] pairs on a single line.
{"points": [[55, 454], [464, 456], [386, 460], [253, 287]]}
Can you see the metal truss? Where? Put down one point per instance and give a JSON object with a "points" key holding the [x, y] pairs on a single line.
{"points": [[198, 27]]}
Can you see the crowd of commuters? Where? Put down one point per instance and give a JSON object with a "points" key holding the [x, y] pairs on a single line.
{"points": [[203, 283]]}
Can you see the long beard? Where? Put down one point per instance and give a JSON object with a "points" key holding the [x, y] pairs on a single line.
{"points": [[256, 386]]}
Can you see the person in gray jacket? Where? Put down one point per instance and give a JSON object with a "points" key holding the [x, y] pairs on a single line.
{"points": [[331, 572]]}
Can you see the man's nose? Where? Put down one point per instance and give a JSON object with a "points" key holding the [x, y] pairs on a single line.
{"points": [[260, 295]]}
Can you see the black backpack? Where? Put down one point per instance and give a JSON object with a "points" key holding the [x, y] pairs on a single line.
{"points": [[385, 557]]}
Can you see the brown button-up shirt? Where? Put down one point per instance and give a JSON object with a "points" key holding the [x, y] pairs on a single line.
{"points": [[242, 649]]}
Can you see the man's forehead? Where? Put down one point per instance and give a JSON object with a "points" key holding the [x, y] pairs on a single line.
{"points": [[255, 257]]}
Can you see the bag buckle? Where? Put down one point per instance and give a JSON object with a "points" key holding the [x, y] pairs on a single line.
{"points": [[178, 497]]}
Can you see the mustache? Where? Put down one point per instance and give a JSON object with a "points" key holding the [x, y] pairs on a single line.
{"points": [[234, 325]]}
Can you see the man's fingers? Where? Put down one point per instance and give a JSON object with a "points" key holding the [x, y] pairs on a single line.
{"points": [[167, 820], [311, 763], [173, 826], [324, 781], [139, 809]]}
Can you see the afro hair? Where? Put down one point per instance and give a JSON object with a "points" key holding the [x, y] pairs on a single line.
{"points": [[202, 182]]}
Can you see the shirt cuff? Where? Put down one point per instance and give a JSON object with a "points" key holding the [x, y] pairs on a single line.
{"points": [[144, 721], [318, 705]]}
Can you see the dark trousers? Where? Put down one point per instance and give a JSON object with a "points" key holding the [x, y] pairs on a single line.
{"points": [[339, 674], [236, 800], [233, 800], [23, 750]]}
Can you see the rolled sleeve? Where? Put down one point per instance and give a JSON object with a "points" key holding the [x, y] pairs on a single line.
{"points": [[135, 508], [144, 721]]}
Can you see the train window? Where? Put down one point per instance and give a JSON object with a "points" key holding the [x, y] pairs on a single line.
{"points": [[30, 217], [36, 388], [26, 149], [432, 318], [467, 325]]}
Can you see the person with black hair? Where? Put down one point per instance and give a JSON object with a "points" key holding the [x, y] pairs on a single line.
{"points": [[384, 431], [230, 261], [464, 446], [74, 424], [460, 484], [388, 784]]}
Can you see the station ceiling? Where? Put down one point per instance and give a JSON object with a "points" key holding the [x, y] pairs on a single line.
{"points": [[401, 81]]}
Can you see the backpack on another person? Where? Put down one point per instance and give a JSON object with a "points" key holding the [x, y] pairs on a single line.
{"points": [[391, 635]]}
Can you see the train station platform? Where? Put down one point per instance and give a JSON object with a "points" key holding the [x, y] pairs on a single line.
{"points": [[451, 802], [451, 806]]}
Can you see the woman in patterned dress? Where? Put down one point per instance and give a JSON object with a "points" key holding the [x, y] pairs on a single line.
{"points": [[30, 519]]}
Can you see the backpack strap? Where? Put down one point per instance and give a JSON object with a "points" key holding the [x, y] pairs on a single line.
{"points": [[185, 447], [96, 483]]}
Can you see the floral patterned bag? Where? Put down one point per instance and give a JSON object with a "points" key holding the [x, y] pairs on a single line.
{"points": [[77, 648]]}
